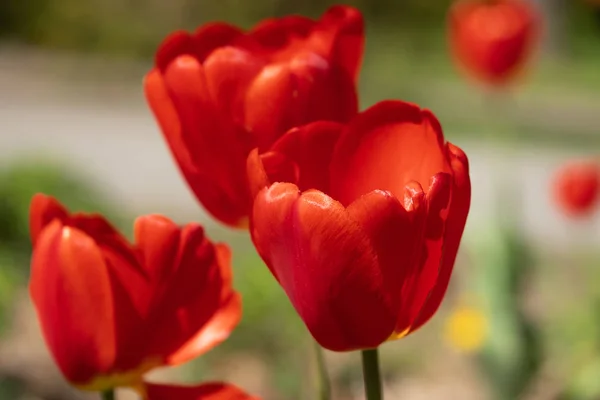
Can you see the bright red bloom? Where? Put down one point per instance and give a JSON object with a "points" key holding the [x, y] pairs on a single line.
{"points": [[220, 92], [363, 226], [110, 310], [206, 391], [576, 187], [492, 40]]}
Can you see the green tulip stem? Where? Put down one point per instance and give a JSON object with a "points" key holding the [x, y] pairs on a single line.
{"points": [[324, 386], [371, 374], [108, 395]]}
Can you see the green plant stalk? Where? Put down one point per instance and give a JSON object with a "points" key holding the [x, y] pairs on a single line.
{"points": [[371, 374], [108, 395], [324, 387]]}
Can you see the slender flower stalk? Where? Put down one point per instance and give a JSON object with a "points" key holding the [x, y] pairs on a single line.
{"points": [[108, 395], [371, 374], [324, 386]]}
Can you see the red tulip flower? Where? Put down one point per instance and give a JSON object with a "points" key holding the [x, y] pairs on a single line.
{"points": [[111, 310], [362, 226], [492, 40], [220, 92], [576, 187], [207, 391]]}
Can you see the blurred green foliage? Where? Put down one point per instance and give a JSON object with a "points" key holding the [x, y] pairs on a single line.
{"points": [[512, 355], [270, 329], [134, 27], [18, 183]]}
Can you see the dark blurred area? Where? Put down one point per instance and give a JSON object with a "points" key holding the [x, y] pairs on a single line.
{"points": [[74, 124]]}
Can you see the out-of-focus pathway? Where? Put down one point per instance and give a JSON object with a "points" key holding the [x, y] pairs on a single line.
{"points": [[103, 129]]}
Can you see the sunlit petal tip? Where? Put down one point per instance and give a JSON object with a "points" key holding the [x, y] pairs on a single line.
{"points": [[280, 168], [386, 112], [173, 45], [154, 233], [157, 221], [432, 121], [213, 35], [150, 80], [458, 155], [160, 103], [308, 63], [184, 64], [414, 196], [227, 54], [440, 181], [214, 332], [318, 198], [275, 30], [440, 189], [216, 29], [279, 190], [257, 175], [195, 233], [42, 210], [349, 16]]}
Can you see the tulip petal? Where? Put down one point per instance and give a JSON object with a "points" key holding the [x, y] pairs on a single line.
{"points": [[338, 36], [325, 90], [417, 289], [212, 36], [164, 110], [199, 45], [229, 71], [267, 105], [71, 290], [157, 238], [218, 181], [349, 40], [174, 45], [455, 224], [206, 391], [392, 136], [395, 234], [257, 174], [157, 242], [271, 208], [326, 265], [129, 284], [214, 332], [190, 297], [310, 147], [270, 167], [305, 89], [42, 211], [278, 33]]}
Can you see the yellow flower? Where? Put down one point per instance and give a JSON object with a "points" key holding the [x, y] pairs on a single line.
{"points": [[466, 328]]}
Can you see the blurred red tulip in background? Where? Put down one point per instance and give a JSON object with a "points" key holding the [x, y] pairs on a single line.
{"points": [[219, 92], [576, 187], [363, 226], [492, 41]]}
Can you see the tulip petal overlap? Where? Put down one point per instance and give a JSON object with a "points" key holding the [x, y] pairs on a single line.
{"points": [[111, 310], [366, 253], [220, 92]]}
